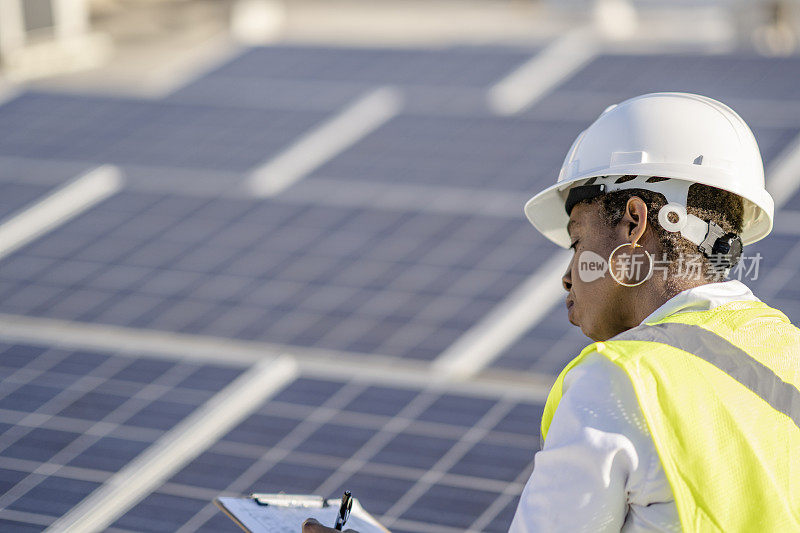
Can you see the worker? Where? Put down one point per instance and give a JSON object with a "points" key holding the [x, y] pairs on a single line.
{"points": [[684, 414]]}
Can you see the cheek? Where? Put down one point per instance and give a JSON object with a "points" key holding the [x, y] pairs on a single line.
{"points": [[589, 271], [596, 297]]}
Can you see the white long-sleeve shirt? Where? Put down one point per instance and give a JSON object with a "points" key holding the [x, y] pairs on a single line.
{"points": [[599, 469]]}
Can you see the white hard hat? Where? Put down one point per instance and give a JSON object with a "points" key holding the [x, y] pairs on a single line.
{"points": [[685, 137]]}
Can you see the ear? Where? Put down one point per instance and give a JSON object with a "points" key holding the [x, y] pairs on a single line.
{"points": [[634, 220]]}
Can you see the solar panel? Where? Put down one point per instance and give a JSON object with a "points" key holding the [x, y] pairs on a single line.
{"points": [[152, 133], [17, 195], [769, 267], [450, 81], [793, 203], [718, 76], [458, 66], [546, 348], [303, 439], [69, 419], [496, 153], [164, 513], [401, 280], [270, 93], [360, 280]]}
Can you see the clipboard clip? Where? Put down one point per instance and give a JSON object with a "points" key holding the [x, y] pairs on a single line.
{"points": [[290, 500]]}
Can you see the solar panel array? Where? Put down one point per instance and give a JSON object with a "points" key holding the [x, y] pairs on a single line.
{"points": [[359, 280], [71, 418], [335, 264], [419, 456]]}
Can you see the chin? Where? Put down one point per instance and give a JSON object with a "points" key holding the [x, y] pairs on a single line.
{"points": [[589, 332]]}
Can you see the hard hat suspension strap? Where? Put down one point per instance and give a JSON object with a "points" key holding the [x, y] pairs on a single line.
{"points": [[581, 193], [724, 249]]}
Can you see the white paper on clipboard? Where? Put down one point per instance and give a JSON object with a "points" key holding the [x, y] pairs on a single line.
{"points": [[282, 518]]}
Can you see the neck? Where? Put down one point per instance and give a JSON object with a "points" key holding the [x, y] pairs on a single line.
{"points": [[641, 301]]}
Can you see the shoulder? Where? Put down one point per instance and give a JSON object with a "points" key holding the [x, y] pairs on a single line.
{"points": [[598, 377], [598, 397]]}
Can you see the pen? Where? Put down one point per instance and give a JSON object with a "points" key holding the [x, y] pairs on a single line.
{"points": [[344, 511]]}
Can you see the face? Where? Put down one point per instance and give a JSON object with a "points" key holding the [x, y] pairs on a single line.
{"points": [[593, 303]]}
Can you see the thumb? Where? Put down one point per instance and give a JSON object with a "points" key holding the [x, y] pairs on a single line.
{"points": [[310, 525]]}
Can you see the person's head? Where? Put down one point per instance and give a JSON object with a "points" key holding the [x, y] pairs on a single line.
{"points": [[680, 176], [601, 306]]}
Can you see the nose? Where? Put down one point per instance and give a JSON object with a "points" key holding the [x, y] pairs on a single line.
{"points": [[566, 279]]}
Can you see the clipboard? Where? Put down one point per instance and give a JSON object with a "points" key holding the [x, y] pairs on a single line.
{"points": [[285, 513]]}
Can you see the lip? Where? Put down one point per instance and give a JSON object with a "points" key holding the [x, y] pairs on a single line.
{"points": [[570, 302]]}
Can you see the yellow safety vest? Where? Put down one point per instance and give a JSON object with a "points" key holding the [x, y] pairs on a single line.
{"points": [[719, 392]]}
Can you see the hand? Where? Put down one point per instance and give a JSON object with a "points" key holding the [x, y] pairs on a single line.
{"points": [[312, 526]]}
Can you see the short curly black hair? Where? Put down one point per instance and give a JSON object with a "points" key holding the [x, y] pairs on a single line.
{"points": [[708, 203]]}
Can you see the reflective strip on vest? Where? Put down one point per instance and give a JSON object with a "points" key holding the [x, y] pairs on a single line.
{"points": [[734, 361]]}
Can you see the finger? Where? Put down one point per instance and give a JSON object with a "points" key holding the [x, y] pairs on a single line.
{"points": [[312, 526]]}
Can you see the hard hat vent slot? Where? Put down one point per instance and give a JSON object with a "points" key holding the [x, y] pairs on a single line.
{"points": [[716, 162], [628, 158], [655, 179]]}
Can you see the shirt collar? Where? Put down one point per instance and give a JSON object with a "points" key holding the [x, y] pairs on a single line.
{"points": [[702, 298]]}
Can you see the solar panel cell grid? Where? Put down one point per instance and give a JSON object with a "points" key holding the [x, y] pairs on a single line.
{"points": [[502, 521], [380, 491], [773, 141], [414, 451], [546, 348], [54, 496], [389, 289], [21, 527], [110, 454], [488, 152], [457, 66], [220, 523], [120, 131], [270, 93], [213, 470], [160, 513], [731, 76], [450, 506], [494, 461], [17, 196], [320, 435], [793, 203], [71, 418]]}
